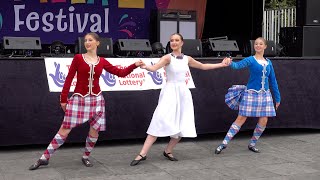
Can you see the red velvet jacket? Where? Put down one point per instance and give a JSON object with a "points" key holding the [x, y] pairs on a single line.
{"points": [[88, 76]]}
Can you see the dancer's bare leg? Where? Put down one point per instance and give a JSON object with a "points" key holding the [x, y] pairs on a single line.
{"points": [[146, 146], [172, 143]]}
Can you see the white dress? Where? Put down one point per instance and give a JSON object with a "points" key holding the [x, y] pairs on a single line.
{"points": [[174, 115]]}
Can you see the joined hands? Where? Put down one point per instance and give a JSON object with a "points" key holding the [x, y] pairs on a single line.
{"points": [[226, 61], [139, 63]]}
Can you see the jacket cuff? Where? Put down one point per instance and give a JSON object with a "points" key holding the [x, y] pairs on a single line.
{"points": [[133, 66], [63, 99]]}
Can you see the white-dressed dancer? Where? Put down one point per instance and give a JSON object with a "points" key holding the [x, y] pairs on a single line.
{"points": [[174, 115]]}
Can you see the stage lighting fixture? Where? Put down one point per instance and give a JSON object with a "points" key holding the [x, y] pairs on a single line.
{"points": [[57, 48], [157, 49]]}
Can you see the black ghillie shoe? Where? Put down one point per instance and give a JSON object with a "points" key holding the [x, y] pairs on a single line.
{"points": [[39, 163], [169, 157], [253, 149], [86, 162], [136, 162], [220, 148]]}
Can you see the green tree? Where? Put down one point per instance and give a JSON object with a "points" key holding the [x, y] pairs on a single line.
{"points": [[275, 4]]}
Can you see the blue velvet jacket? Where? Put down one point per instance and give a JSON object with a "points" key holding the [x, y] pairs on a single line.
{"points": [[260, 76]]}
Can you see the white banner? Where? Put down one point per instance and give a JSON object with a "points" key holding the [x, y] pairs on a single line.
{"points": [[140, 79]]}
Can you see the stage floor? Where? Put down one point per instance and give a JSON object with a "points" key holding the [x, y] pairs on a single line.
{"points": [[285, 154]]}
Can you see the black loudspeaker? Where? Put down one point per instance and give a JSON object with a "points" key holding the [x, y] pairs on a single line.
{"points": [[220, 47], [165, 22], [270, 51], [300, 41], [191, 47], [308, 13], [22, 46], [133, 47], [105, 49], [20, 43]]}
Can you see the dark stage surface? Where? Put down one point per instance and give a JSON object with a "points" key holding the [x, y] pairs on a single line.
{"points": [[30, 114]]}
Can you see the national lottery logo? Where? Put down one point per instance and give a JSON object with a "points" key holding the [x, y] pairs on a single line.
{"points": [[109, 79], [58, 77], [156, 77]]}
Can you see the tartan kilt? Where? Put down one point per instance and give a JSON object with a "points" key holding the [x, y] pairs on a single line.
{"points": [[257, 104], [82, 109], [233, 97]]}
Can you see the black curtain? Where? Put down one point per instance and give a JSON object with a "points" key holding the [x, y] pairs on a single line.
{"points": [[239, 20]]}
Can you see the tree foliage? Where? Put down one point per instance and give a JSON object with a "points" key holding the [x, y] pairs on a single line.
{"points": [[275, 4]]}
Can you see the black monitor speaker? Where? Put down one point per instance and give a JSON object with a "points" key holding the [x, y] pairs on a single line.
{"points": [[133, 48], [219, 47], [22, 46], [17, 43]]}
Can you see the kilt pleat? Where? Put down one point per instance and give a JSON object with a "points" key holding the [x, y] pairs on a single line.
{"points": [[250, 103], [233, 97], [83, 109]]}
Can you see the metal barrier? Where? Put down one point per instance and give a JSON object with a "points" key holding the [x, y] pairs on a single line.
{"points": [[274, 19]]}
